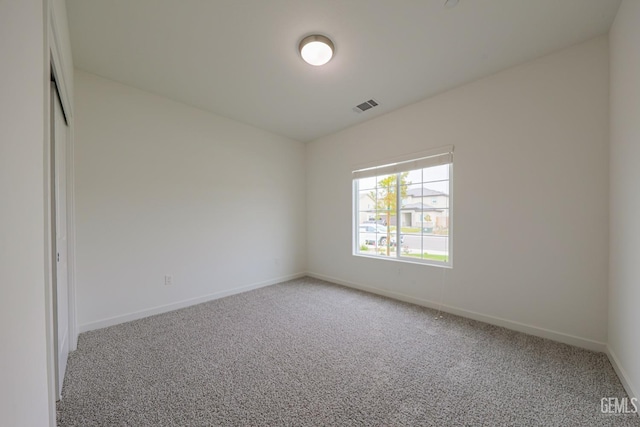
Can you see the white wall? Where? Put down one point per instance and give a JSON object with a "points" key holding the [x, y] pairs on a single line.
{"points": [[23, 358], [167, 189], [530, 219], [624, 285]]}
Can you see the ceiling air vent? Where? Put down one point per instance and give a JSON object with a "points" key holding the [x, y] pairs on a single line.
{"points": [[367, 105]]}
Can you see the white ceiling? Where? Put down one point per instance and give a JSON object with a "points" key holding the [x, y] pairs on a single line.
{"points": [[239, 58]]}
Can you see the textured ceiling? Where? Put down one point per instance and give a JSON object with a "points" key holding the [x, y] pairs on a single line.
{"points": [[239, 58]]}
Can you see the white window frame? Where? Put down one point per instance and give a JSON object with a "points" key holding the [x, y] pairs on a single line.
{"points": [[430, 158]]}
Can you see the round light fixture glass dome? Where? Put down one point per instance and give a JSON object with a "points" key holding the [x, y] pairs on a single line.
{"points": [[316, 49]]}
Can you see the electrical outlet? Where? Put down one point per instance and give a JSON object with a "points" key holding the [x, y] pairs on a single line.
{"points": [[168, 280]]}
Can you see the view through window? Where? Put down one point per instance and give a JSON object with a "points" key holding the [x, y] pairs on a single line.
{"points": [[403, 210]]}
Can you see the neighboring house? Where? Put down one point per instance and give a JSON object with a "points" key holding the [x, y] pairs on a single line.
{"points": [[421, 207], [431, 197], [366, 208], [425, 208]]}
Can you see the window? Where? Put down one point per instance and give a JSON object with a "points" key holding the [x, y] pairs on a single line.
{"points": [[402, 210]]}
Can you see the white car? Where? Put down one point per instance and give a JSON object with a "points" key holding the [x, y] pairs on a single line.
{"points": [[372, 234]]}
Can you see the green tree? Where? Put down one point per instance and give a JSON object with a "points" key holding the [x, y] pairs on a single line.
{"points": [[386, 200]]}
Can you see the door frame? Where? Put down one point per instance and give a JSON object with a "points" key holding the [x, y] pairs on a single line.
{"points": [[55, 65], [63, 83], [55, 174]]}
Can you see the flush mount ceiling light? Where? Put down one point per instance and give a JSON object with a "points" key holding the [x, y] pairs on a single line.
{"points": [[316, 49]]}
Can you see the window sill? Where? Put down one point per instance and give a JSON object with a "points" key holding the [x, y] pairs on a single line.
{"points": [[407, 260]]}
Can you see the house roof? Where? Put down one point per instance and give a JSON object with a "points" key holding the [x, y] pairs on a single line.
{"points": [[424, 192], [421, 207]]}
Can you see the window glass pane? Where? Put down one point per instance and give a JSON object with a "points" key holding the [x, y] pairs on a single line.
{"points": [[366, 205], [437, 186], [410, 233], [410, 221], [436, 194], [435, 173], [385, 244], [414, 176], [386, 199], [441, 223], [435, 247], [411, 196], [367, 183], [376, 239], [363, 243], [384, 181]]}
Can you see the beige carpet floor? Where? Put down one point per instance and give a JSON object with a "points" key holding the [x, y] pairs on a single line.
{"points": [[310, 353]]}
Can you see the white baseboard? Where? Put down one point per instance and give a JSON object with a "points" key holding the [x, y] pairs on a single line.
{"points": [[111, 321], [624, 378], [505, 323], [509, 324]]}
